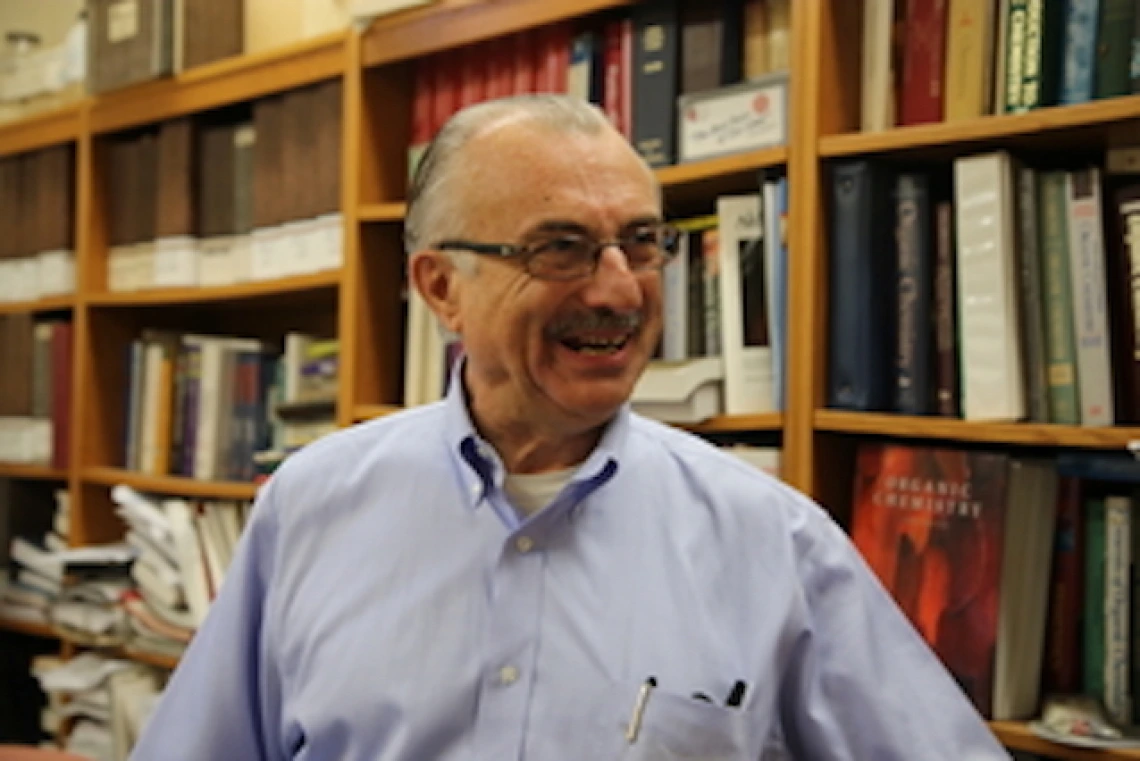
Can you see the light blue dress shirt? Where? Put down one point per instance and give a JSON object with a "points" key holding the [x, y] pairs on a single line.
{"points": [[387, 604]]}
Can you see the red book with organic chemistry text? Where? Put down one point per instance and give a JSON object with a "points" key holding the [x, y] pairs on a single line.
{"points": [[930, 523]]}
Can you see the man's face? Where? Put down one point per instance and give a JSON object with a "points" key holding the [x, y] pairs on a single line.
{"points": [[563, 353]]}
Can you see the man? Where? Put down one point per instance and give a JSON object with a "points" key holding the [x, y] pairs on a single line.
{"points": [[528, 570]]}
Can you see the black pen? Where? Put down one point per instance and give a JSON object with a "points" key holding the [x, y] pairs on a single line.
{"points": [[634, 725], [736, 697]]}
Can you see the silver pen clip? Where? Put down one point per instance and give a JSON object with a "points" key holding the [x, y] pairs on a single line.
{"points": [[634, 726]]}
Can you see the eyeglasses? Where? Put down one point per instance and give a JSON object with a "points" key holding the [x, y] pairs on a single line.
{"points": [[569, 255]]}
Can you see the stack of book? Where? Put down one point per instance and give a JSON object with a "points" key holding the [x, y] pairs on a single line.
{"points": [[183, 549], [37, 209], [246, 195], [107, 700]]}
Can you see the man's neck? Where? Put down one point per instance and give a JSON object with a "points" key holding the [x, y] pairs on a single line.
{"points": [[526, 446]]}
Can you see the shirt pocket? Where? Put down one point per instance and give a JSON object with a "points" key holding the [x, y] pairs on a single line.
{"points": [[678, 727]]}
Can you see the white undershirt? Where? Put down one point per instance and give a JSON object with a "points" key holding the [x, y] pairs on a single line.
{"points": [[531, 492]]}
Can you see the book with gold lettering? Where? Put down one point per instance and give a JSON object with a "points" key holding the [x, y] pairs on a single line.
{"points": [[962, 540]]}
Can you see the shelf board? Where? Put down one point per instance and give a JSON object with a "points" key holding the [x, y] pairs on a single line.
{"points": [[1017, 736], [452, 23], [48, 304], [393, 211], [172, 485], [61, 125], [987, 128], [769, 421], [261, 289], [1028, 434], [710, 169], [31, 628], [233, 80], [32, 472], [363, 412]]}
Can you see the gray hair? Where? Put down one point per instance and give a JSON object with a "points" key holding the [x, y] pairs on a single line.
{"points": [[430, 211]]}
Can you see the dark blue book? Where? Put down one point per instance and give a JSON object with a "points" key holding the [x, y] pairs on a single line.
{"points": [[656, 68], [863, 301]]}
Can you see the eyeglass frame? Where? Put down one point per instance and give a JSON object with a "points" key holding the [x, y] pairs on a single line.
{"points": [[525, 253]]}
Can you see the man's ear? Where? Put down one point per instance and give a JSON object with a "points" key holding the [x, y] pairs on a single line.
{"points": [[435, 276]]}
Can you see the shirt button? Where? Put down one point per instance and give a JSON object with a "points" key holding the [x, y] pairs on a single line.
{"points": [[524, 544], [508, 675]]}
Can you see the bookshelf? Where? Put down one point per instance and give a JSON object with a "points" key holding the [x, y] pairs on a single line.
{"points": [[361, 301]]}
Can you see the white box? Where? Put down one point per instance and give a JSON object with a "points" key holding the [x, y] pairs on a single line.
{"points": [[733, 119], [681, 392]]}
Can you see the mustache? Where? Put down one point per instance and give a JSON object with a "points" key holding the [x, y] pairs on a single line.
{"points": [[594, 319]]}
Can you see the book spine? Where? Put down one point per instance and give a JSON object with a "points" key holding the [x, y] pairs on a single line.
{"points": [[1090, 313], [655, 71], [1079, 82], [1128, 284], [945, 309], [1093, 641], [1060, 351], [1062, 651], [1032, 317], [924, 62], [1016, 25], [912, 357], [1117, 607], [862, 304], [1114, 48]]}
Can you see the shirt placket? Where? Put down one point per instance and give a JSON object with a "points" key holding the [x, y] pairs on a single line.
{"points": [[511, 648]]}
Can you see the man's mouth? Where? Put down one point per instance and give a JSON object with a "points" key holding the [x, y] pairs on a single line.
{"points": [[596, 345]]}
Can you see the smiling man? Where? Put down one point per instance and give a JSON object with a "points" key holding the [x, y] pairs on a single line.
{"points": [[527, 569]]}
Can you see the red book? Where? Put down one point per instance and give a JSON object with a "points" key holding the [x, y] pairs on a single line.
{"points": [[615, 99], [61, 342], [522, 65], [473, 79], [423, 101], [930, 523], [445, 91], [553, 58], [1061, 671], [923, 66], [500, 69]]}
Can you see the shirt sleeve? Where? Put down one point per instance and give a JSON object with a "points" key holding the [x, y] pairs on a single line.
{"points": [[861, 683], [224, 698]]}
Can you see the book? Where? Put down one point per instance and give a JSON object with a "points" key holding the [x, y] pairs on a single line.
{"points": [[931, 525]]}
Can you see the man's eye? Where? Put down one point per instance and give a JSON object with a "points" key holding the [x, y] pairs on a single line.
{"points": [[564, 245], [643, 236]]}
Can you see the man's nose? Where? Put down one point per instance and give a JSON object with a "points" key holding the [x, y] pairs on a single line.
{"points": [[614, 284]]}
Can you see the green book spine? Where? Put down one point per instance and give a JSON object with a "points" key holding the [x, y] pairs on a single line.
{"points": [[1093, 647], [1060, 350], [1114, 48]]}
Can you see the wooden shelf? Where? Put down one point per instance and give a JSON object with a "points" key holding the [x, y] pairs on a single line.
{"points": [[261, 289], [713, 169], [770, 422], [233, 80], [984, 129], [383, 212], [173, 485], [32, 629], [452, 23], [31, 472], [1027, 434], [62, 125], [1017, 736], [48, 304], [362, 412]]}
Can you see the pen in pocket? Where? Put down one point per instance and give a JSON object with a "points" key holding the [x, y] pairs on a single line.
{"points": [[639, 704]]}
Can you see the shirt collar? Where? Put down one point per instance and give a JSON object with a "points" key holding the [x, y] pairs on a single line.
{"points": [[479, 466]]}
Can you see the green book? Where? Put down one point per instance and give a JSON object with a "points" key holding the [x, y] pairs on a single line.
{"points": [[1060, 342], [1093, 646]]}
